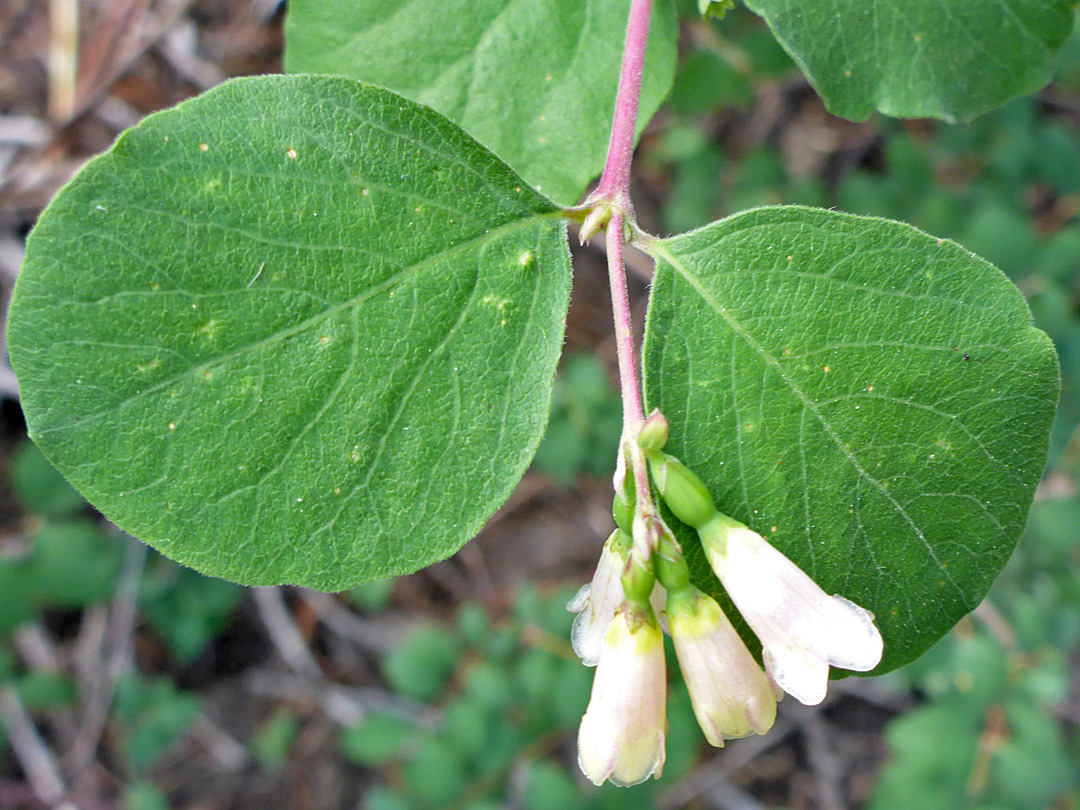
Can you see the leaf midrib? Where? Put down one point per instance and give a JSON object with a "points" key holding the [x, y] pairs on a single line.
{"points": [[283, 334], [659, 251]]}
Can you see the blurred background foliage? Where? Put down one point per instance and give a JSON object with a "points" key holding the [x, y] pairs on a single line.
{"points": [[147, 686]]}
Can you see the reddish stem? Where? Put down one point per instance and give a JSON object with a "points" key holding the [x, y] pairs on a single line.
{"points": [[633, 412], [614, 190], [615, 182]]}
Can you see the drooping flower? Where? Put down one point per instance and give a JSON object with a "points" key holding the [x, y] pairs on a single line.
{"points": [[803, 630], [596, 603], [730, 694], [621, 738]]}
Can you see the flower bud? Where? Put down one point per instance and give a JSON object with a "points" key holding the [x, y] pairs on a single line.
{"points": [[596, 603], [595, 221], [684, 493], [622, 510], [668, 562], [654, 432], [637, 579], [715, 8]]}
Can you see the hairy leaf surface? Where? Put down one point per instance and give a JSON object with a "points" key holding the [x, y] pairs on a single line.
{"points": [[951, 59], [872, 400], [299, 329], [534, 81]]}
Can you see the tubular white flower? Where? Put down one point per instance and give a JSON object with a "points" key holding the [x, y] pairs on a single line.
{"points": [[596, 603], [730, 694], [621, 738], [802, 629], [658, 601]]}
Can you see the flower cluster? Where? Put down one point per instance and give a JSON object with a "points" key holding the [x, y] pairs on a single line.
{"points": [[803, 631]]}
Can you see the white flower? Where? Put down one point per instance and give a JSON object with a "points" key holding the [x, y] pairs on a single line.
{"points": [[730, 694], [621, 738], [596, 603], [802, 629]]}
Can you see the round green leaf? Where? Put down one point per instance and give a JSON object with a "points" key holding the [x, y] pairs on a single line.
{"points": [[951, 59], [533, 81], [871, 399], [298, 329]]}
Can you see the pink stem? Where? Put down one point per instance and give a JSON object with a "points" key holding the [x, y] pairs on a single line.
{"points": [[633, 413], [615, 182], [614, 188]]}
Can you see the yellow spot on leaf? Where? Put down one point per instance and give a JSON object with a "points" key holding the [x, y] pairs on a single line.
{"points": [[204, 147], [291, 153]]}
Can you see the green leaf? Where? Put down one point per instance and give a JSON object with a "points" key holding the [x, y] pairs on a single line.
{"points": [[185, 608], [17, 604], [144, 795], [550, 787], [382, 798], [535, 82], [951, 59], [40, 486], [436, 773], [371, 597], [74, 564], [41, 691], [272, 742], [872, 400], [933, 752], [586, 421], [421, 664], [377, 739], [155, 715], [298, 329]]}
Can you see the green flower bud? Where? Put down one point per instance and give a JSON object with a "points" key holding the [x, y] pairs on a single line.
{"points": [[671, 569], [715, 8], [622, 509], [683, 492], [637, 581], [654, 433]]}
